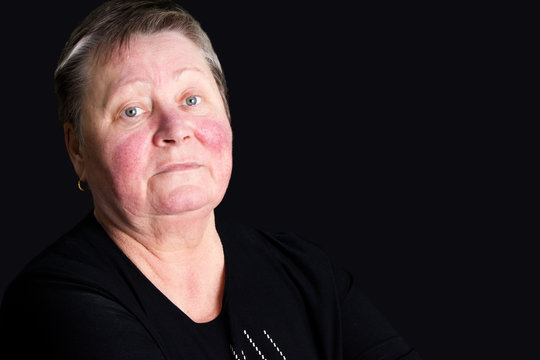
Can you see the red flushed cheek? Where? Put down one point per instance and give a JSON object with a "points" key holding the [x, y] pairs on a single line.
{"points": [[214, 135], [127, 158], [114, 169]]}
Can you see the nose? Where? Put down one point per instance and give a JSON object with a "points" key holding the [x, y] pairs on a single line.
{"points": [[173, 128]]}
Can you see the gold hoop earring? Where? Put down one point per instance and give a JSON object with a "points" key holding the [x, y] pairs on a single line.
{"points": [[80, 187]]}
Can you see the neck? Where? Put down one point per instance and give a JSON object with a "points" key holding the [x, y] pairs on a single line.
{"points": [[181, 256], [170, 239]]}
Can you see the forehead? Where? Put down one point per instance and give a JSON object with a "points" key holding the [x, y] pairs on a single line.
{"points": [[161, 52], [151, 59]]}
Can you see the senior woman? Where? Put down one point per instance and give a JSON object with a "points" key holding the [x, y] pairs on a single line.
{"points": [[150, 273]]}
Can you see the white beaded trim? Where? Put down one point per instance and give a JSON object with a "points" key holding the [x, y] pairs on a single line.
{"points": [[275, 345], [236, 357], [256, 348]]}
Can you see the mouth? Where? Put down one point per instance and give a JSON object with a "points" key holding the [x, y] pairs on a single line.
{"points": [[178, 167]]}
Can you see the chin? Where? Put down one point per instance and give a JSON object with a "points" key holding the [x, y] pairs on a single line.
{"points": [[186, 199]]}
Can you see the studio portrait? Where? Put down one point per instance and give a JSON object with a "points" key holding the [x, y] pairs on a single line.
{"points": [[212, 182]]}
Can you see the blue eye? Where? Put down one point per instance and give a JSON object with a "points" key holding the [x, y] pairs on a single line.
{"points": [[133, 111], [192, 100]]}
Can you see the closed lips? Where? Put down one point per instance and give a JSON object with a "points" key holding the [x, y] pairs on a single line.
{"points": [[179, 167]]}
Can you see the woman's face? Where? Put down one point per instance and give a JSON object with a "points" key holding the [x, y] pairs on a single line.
{"points": [[157, 137]]}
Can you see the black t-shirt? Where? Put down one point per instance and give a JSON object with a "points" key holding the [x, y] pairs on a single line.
{"points": [[82, 298]]}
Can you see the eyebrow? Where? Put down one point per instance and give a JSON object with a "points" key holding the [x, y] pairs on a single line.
{"points": [[178, 73]]}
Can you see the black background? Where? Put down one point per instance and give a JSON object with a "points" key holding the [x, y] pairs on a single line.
{"points": [[362, 128]]}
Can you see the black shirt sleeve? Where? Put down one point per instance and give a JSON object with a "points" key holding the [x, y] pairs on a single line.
{"points": [[366, 333], [55, 319]]}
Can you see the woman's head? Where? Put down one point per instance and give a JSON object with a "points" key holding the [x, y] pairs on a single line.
{"points": [[142, 99], [111, 26]]}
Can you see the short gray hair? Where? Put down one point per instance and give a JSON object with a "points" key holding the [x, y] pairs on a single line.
{"points": [[109, 27]]}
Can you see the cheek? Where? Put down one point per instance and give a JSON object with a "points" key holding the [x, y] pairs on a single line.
{"points": [[126, 159], [216, 136]]}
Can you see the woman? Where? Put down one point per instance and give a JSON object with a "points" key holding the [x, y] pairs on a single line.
{"points": [[150, 273]]}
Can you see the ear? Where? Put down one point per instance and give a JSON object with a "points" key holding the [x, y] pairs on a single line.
{"points": [[74, 149]]}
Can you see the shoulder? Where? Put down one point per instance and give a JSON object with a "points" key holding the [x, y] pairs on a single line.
{"points": [[74, 269], [63, 304], [81, 256], [69, 267], [281, 259], [287, 248]]}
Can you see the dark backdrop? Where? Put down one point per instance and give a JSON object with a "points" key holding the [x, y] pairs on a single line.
{"points": [[354, 126]]}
